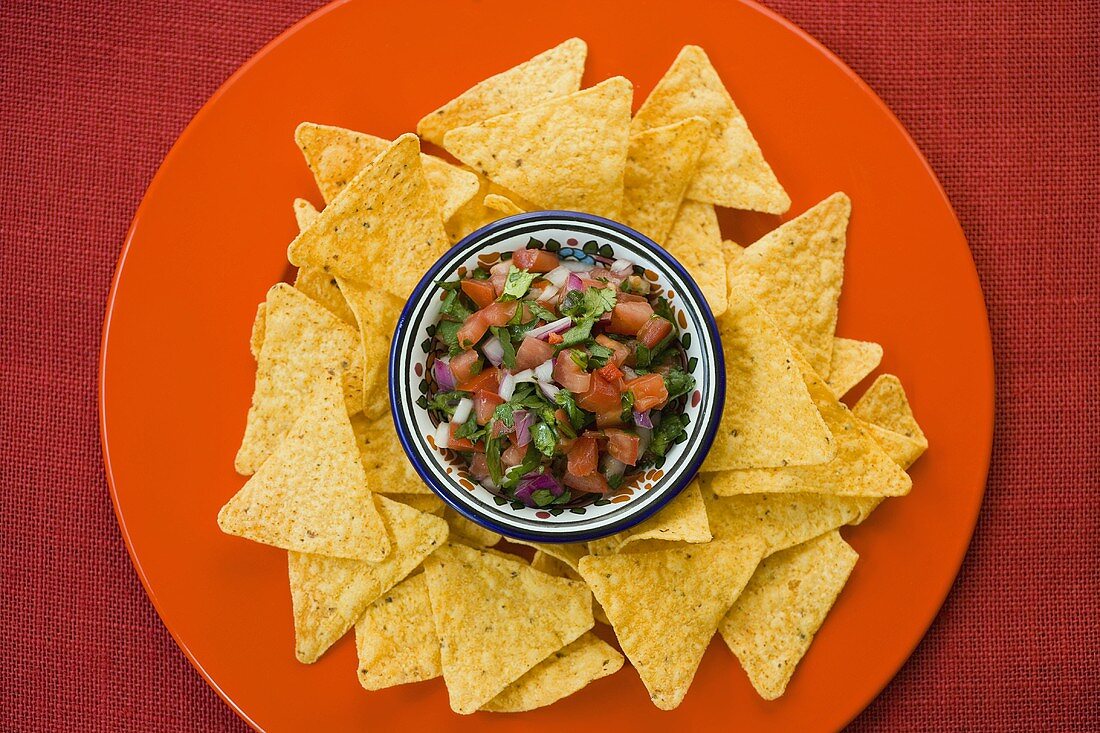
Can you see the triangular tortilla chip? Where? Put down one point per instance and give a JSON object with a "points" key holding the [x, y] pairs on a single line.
{"points": [[795, 273], [902, 449], [568, 153], [259, 328], [771, 625], [660, 163], [427, 503], [311, 494], [732, 171], [387, 467], [886, 405], [330, 594], [395, 639], [851, 361], [684, 519], [473, 533], [503, 204], [304, 213], [553, 73], [497, 618], [859, 468], [769, 418], [384, 227], [569, 553], [564, 672], [314, 281], [303, 344], [665, 606], [336, 155], [559, 569], [376, 313], [696, 243]]}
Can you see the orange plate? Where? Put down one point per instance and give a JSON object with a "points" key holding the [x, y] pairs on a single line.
{"points": [[210, 238]]}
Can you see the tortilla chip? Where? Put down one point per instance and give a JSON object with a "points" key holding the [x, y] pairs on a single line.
{"points": [[859, 468], [851, 362], [497, 618], [553, 566], [568, 670], [732, 170], [771, 625], [780, 520], [665, 606], [684, 519], [473, 532], [569, 553], [427, 503], [304, 213], [315, 282], [885, 404], [696, 243], [303, 344], [568, 153], [795, 273], [384, 227], [395, 639], [376, 313], [553, 73], [769, 418], [503, 204], [259, 326], [387, 467], [330, 594], [336, 155], [660, 163], [311, 494]]}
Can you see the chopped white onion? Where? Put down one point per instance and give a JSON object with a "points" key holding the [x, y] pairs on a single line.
{"points": [[527, 375], [494, 351], [574, 266], [613, 466], [628, 372], [622, 267], [443, 435], [544, 372], [557, 326], [549, 390], [462, 410], [645, 436], [550, 291], [501, 268], [507, 387], [557, 276]]}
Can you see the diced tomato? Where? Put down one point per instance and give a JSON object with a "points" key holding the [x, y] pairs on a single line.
{"points": [[534, 260], [583, 456], [628, 318], [475, 326], [623, 446], [479, 468], [485, 402], [498, 314], [480, 291], [622, 297], [569, 375], [463, 444], [498, 282], [499, 429], [488, 379], [601, 396], [532, 352], [514, 455], [554, 338], [465, 365], [649, 391], [654, 331], [609, 419], [621, 350], [594, 483], [610, 372]]}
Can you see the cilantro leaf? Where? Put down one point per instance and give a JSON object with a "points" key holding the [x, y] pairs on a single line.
{"points": [[580, 332], [506, 414], [542, 435], [663, 308], [588, 303], [540, 312], [470, 429], [678, 382], [492, 459], [518, 283], [512, 476], [446, 402], [505, 337], [453, 309], [599, 355], [579, 358], [628, 407], [577, 416], [542, 497], [667, 433], [643, 357]]}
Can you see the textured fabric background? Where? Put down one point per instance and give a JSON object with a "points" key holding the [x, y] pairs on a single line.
{"points": [[1002, 97]]}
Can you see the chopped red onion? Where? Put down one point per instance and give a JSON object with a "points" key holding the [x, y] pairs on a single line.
{"points": [[494, 351], [444, 377], [523, 427], [507, 386], [544, 372], [622, 267], [573, 283], [462, 410], [533, 482], [562, 324], [641, 419]]}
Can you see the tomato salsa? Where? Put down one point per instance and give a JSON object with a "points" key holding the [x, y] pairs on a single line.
{"points": [[557, 381]]}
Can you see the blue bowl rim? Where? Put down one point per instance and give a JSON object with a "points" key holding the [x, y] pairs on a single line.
{"points": [[698, 300]]}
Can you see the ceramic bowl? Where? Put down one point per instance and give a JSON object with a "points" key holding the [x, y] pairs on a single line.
{"points": [[578, 237]]}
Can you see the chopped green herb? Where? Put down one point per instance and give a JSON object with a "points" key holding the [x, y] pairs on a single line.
{"points": [[539, 312], [643, 357], [542, 435], [492, 459], [542, 497], [599, 355], [577, 416], [628, 407], [517, 284], [446, 402], [579, 333], [453, 309], [588, 303], [505, 337], [667, 433], [448, 334], [469, 429], [479, 274], [579, 358], [506, 414], [663, 308], [678, 382], [531, 461]]}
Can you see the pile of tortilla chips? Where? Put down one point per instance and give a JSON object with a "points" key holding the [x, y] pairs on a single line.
{"points": [[750, 550]]}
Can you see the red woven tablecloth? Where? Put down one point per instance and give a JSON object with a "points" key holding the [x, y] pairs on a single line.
{"points": [[1002, 97]]}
